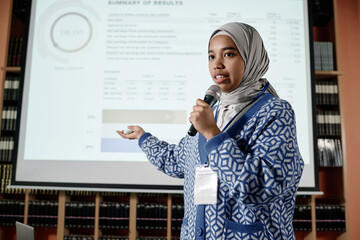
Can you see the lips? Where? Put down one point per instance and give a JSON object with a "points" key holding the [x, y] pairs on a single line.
{"points": [[219, 78]]}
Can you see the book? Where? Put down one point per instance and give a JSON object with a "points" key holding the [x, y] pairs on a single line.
{"points": [[330, 217], [323, 56], [330, 152]]}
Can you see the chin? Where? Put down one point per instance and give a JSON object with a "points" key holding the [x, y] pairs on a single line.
{"points": [[224, 89]]}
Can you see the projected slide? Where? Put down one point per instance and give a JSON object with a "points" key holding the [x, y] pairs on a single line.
{"points": [[96, 66]]}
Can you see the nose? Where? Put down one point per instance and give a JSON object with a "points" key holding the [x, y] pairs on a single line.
{"points": [[217, 64]]}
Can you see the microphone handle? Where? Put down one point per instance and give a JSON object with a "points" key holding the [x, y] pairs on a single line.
{"points": [[192, 131], [211, 100]]}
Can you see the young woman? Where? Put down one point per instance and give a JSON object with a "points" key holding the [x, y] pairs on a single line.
{"points": [[248, 143]]}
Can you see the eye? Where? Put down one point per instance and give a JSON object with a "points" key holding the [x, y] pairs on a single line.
{"points": [[229, 54], [211, 57]]}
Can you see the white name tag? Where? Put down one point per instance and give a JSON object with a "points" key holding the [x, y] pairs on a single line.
{"points": [[206, 186]]}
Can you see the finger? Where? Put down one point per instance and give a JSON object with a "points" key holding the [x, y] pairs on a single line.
{"points": [[135, 128], [198, 110], [202, 103], [194, 116], [121, 133]]}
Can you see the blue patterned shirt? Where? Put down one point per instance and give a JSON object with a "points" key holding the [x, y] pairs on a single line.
{"points": [[259, 170]]}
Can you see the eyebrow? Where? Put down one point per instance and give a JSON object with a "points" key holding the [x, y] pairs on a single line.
{"points": [[225, 48]]}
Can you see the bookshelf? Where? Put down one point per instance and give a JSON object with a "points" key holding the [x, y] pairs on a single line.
{"points": [[331, 176], [172, 205]]}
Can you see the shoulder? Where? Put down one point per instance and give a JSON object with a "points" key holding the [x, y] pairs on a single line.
{"points": [[276, 107], [274, 110]]}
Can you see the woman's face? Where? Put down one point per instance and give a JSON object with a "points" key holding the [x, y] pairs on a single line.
{"points": [[226, 65]]}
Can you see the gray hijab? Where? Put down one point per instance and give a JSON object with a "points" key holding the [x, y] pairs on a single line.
{"points": [[252, 50]]}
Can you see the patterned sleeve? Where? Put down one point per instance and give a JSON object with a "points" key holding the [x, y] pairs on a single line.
{"points": [[268, 165], [168, 158]]}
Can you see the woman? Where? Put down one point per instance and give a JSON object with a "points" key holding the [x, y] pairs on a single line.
{"points": [[248, 141]]}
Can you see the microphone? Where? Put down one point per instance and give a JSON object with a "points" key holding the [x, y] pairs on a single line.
{"points": [[212, 95]]}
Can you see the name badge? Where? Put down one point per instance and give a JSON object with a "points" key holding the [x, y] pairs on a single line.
{"points": [[206, 186]]}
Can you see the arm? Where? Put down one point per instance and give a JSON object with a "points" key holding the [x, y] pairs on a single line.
{"points": [[265, 168], [168, 158]]}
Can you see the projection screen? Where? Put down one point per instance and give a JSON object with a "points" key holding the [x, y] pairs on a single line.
{"points": [[95, 66]]}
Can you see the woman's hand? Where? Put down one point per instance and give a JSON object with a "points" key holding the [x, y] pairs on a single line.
{"points": [[135, 134], [202, 118]]}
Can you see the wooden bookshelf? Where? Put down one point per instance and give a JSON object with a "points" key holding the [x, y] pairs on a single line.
{"points": [[98, 200], [61, 215], [132, 221], [331, 179]]}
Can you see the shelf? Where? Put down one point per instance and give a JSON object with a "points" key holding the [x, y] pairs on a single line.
{"points": [[12, 69], [327, 74]]}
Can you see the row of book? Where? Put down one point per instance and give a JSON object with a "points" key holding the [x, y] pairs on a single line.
{"points": [[11, 88], [327, 92], [177, 214], [5, 176], [15, 49], [302, 218], [330, 217], [6, 148], [151, 238], [43, 213], [328, 123], [114, 215], [151, 216], [78, 237], [79, 214], [112, 238], [83, 237], [323, 56], [330, 152], [11, 211], [8, 118]]}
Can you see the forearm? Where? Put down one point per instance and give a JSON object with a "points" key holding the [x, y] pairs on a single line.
{"points": [[166, 157]]}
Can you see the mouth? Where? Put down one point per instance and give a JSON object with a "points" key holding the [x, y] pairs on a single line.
{"points": [[220, 78]]}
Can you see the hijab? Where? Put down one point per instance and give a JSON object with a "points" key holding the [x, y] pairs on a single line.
{"points": [[251, 48]]}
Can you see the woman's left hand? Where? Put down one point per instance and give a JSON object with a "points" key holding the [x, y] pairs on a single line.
{"points": [[202, 118]]}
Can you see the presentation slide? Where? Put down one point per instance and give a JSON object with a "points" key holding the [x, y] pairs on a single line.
{"points": [[97, 66]]}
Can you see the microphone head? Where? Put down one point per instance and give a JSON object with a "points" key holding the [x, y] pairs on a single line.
{"points": [[215, 91]]}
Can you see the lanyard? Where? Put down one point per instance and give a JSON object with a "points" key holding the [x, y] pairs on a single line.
{"points": [[252, 101]]}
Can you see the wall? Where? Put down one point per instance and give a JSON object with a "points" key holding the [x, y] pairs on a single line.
{"points": [[349, 55], [4, 26]]}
